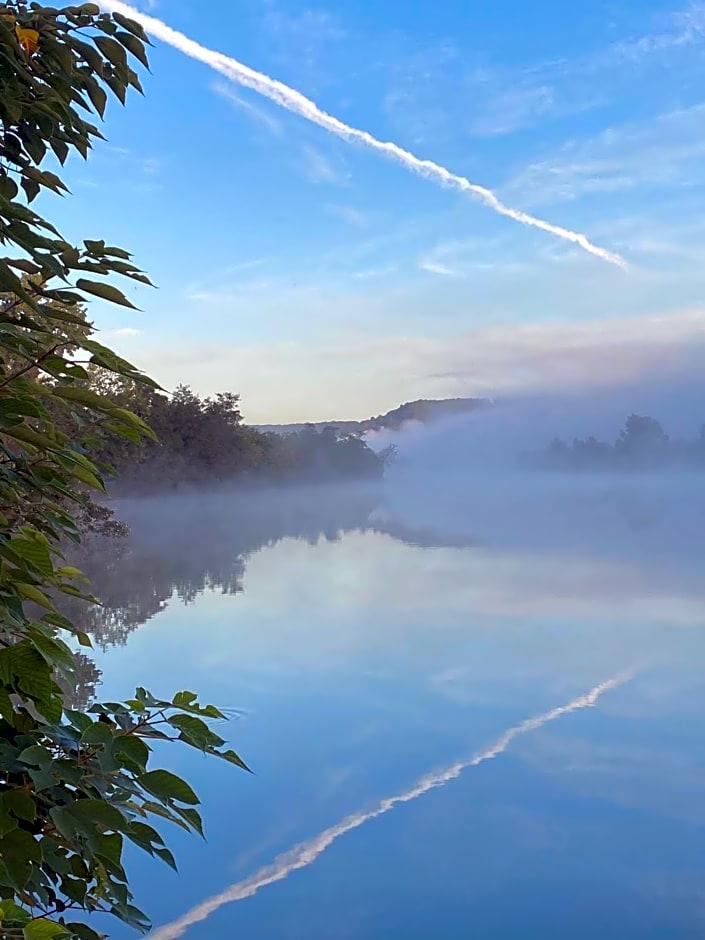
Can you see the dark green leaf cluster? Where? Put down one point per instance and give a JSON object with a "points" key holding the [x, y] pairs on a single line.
{"points": [[72, 792], [74, 786], [55, 67]]}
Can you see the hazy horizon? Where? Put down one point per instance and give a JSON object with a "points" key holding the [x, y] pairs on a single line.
{"points": [[397, 288]]}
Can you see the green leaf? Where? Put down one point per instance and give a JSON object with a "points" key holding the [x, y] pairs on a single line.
{"points": [[84, 815], [132, 748], [195, 731], [165, 855], [32, 593], [13, 913], [131, 26], [35, 551], [98, 97], [84, 396], [134, 46], [167, 786], [18, 849], [97, 733], [54, 651], [192, 817], [105, 292], [158, 810], [84, 932], [35, 756], [112, 51], [44, 930], [232, 758]]}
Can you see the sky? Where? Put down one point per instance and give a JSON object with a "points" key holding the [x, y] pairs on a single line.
{"points": [[322, 281]]}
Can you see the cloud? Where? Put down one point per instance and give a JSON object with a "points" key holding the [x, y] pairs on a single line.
{"points": [[515, 108], [124, 332], [685, 27], [348, 214], [260, 115], [554, 357], [310, 26], [366, 374], [297, 103], [436, 267], [664, 151], [369, 273], [230, 293], [305, 854], [245, 265], [318, 168], [442, 94], [463, 258]]}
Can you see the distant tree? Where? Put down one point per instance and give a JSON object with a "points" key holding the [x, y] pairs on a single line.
{"points": [[642, 443], [642, 438]]}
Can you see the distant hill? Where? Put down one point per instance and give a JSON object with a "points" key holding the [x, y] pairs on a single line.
{"points": [[425, 410]]}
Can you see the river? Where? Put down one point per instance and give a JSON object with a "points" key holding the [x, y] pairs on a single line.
{"points": [[453, 733]]}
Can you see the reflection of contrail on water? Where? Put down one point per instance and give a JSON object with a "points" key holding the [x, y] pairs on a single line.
{"points": [[294, 101], [304, 854]]}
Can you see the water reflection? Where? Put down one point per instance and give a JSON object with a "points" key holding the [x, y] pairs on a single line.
{"points": [[373, 636], [183, 546], [603, 550], [305, 854]]}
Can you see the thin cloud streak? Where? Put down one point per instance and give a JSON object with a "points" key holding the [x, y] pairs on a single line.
{"points": [[271, 123], [297, 103], [304, 854]]}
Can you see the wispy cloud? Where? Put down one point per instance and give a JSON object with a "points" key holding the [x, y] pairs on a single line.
{"points": [[305, 854], [309, 25], [319, 168], [125, 332], [370, 273], [348, 214], [294, 101], [466, 257], [599, 356], [662, 151], [260, 115], [684, 27], [441, 93], [245, 265], [515, 108], [437, 267], [567, 356], [230, 293]]}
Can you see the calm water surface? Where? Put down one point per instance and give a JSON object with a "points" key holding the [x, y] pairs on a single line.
{"points": [[453, 734]]}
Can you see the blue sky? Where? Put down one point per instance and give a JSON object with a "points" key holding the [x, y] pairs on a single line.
{"points": [[321, 281]]}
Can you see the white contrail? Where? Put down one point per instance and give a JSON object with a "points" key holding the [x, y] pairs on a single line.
{"points": [[294, 101], [304, 854]]}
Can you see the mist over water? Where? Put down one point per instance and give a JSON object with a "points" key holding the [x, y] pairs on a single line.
{"points": [[378, 640], [478, 474]]}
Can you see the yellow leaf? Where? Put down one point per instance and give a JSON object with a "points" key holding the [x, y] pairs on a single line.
{"points": [[28, 39]]}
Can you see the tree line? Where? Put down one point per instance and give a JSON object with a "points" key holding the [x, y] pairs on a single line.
{"points": [[204, 441], [642, 444]]}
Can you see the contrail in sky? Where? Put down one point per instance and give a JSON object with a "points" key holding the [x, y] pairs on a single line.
{"points": [[304, 854], [294, 101]]}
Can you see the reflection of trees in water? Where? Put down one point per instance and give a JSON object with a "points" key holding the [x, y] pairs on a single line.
{"points": [[81, 692], [182, 546], [179, 547]]}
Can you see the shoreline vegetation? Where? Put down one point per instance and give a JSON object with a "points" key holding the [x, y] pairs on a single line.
{"points": [[642, 445]]}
